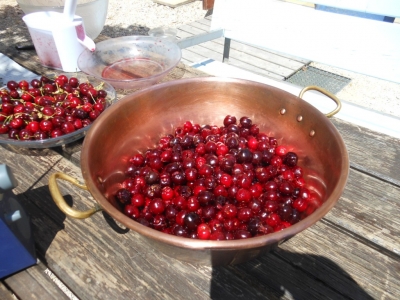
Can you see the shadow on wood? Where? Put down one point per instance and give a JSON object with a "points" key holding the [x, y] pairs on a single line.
{"points": [[285, 275]]}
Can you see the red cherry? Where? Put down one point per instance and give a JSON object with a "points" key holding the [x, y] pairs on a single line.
{"points": [[16, 123], [74, 82], [67, 127], [36, 83], [12, 85], [18, 109], [243, 195], [4, 128], [27, 97], [203, 231], [63, 79], [33, 126], [56, 133], [48, 111], [46, 125], [23, 85], [49, 88], [14, 94], [94, 114]]}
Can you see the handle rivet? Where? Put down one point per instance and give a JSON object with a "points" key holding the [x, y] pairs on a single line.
{"points": [[283, 111], [312, 132], [299, 118]]}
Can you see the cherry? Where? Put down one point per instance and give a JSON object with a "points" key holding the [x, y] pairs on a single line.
{"points": [[159, 222], [23, 85], [25, 134], [61, 80], [45, 99], [13, 133], [192, 220], [16, 123], [156, 206], [4, 128], [93, 115], [203, 231], [36, 83], [229, 120], [245, 122], [12, 85], [33, 126], [74, 82], [49, 88], [243, 195], [216, 183], [7, 108], [290, 159], [67, 127], [102, 94]]}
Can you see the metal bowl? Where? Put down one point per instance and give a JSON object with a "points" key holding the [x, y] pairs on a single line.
{"points": [[131, 62], [138, 120]]}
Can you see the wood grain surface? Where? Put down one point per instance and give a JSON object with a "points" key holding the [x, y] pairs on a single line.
{"points": [[351, 253]]}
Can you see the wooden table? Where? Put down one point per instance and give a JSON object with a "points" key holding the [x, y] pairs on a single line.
{"points": [[352, 253]]}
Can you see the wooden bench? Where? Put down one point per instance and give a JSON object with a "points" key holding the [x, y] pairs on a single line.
{"points": [[348, 42]]}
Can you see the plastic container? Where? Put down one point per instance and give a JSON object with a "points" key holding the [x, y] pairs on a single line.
{"points": [[93, 12], [57, 40], [131, 62]]}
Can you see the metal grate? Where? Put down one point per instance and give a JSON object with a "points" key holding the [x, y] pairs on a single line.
{"points": [[312, 76]]}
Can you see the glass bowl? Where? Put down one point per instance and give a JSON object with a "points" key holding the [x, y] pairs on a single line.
{"points": [[93, 12], [164, 32], [67, 138], [131, 62]]}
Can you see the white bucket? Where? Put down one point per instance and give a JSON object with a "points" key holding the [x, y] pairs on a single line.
{"points": [[58, 42]]}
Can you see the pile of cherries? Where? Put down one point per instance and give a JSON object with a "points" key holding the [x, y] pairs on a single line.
{"points": [[217, 183], [49, 108]]}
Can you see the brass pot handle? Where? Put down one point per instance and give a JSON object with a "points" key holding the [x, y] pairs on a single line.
{"points": [[60, 201], [326, 93]]}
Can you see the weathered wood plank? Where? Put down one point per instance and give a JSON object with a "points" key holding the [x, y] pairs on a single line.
{"points": [[33, 283], [91, 252], [367, 208], [324, 255], [5, 293], [371, 152]]}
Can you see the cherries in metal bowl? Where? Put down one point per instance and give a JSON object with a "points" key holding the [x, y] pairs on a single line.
{"points": [[217, 183]]}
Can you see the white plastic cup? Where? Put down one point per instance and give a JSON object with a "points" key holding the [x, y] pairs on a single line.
{"points": [[58, 42]]}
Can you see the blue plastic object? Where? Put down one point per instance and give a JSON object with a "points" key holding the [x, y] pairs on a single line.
{"points": [[17, 250]]}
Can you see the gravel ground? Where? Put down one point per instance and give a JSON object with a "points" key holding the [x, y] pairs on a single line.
{"points": [[138, 16]]}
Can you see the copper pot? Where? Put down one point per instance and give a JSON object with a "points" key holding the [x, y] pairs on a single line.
{"points": [[137, 121]]}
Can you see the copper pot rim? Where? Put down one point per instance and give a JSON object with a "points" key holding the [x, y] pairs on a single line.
{"points": [[254, 242]]}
